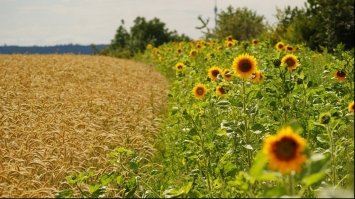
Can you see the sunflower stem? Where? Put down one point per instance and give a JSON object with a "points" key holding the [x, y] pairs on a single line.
{"points": [[206, 155], [245, 124], [291, 182], [332, 156]]}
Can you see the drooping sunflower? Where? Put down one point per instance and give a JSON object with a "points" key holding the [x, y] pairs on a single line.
{"points": [[351, 107], [213, 72], [285, 151], [290, 61], [199, 91], [280, 46], [227, 75], [220, 91], [244, 65], [193, 53], [180, 66], [340, 75], [289, 48], [257, 77]]}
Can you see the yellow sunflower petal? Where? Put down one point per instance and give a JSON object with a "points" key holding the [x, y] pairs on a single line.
{"points": [[285, 151], [290, 61], [199, 91], [244, 65]]}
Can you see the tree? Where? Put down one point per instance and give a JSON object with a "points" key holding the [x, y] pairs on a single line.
{"points": [[322, 23], [333, 20], [121, 38], [142, 33], [241, 23], [292, 25]]}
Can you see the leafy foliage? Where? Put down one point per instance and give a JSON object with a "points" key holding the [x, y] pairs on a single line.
{"points": [[153, 32], [240, 23], [321, 24]]}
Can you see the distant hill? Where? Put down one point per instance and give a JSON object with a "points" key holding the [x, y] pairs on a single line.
{"points": [[58, 49]]}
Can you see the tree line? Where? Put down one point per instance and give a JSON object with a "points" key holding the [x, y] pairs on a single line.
{"points": [[320, 24]]}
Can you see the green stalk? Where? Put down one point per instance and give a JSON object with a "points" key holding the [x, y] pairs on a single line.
{"points": [[206, 156], [247, 136], [291, 186], [332, 156]]}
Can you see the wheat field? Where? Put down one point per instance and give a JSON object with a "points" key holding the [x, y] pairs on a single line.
{"points": [[64, 113]]}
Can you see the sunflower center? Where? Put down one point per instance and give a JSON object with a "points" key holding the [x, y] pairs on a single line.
{"points": [[289, 48], [353, 107], [245, 66], [285, 149], [221, 90], [179, 67], [290, 62], [280, 46], [214, 73], [341, 73], [200, 91]]}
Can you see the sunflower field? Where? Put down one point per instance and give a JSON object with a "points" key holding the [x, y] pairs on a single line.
{"points": [[244, 119], [256, 119]]}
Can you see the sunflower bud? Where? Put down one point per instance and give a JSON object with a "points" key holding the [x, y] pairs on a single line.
{"points": [[324, 118], [299, 81]]}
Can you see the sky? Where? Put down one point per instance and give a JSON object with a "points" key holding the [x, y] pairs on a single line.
{"points": [[53, 22]]}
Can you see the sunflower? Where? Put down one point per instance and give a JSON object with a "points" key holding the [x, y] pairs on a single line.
{"points": [[229, 38], [289, 48], [199, 91], [193, 53], [351, 107], [227, 75], [179, 50], [156, 51], [290, 61], [149, 46], [340, 75], [285, 151], [257, 77], [213, 72], [244, 65], [280, 46], [230, 44], [198, 45], [180, 66], [254, 41], [220, 91]]}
